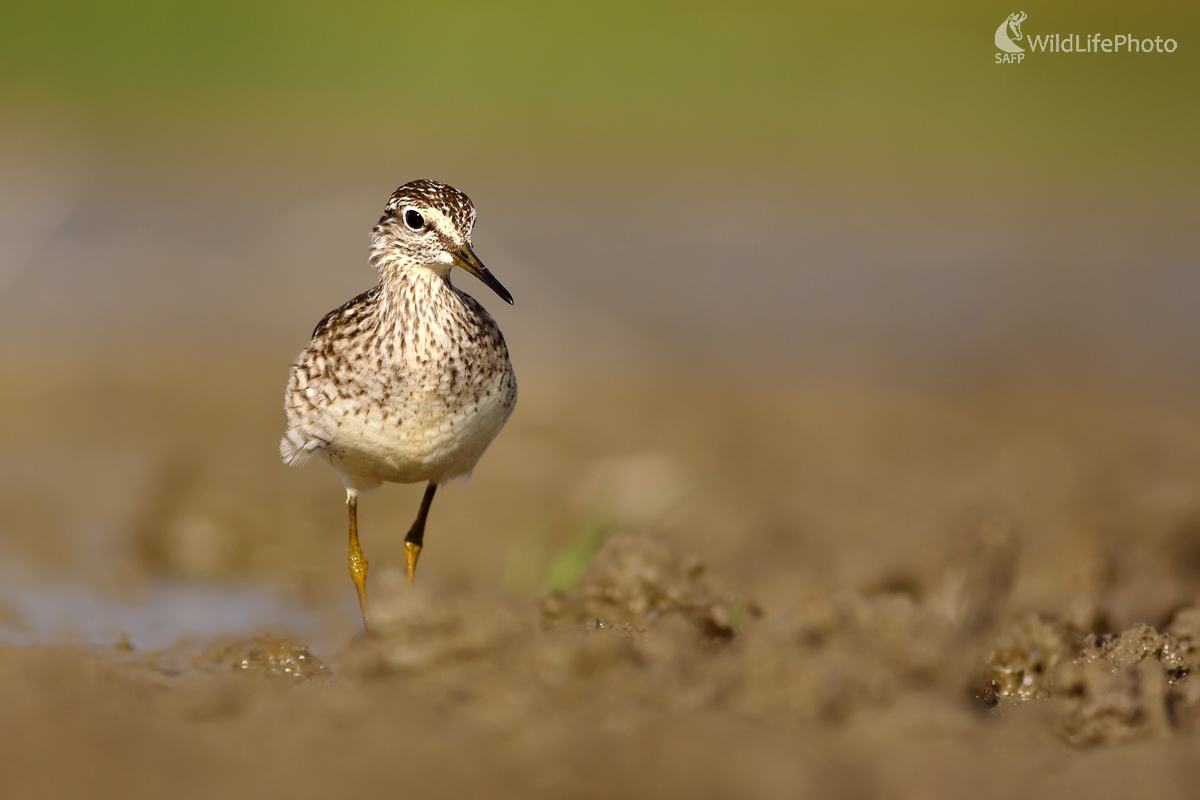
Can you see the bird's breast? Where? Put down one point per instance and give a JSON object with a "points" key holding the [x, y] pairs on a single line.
{"points": [[419, 430]]}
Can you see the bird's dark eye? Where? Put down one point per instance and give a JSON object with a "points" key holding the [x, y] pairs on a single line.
{"points": [[413, 219]]}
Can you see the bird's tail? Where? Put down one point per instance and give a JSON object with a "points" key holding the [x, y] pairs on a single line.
{"points": [[296, 449]]}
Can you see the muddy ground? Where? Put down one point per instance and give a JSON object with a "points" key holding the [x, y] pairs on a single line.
{"points": [[657, 584], [900, 503]]}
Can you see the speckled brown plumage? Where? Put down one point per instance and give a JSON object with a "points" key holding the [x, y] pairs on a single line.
{"points": [[411, 380]]}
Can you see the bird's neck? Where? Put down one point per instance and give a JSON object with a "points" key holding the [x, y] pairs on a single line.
{"points": [[404, 289]]}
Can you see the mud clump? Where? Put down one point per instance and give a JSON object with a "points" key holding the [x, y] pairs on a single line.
{"points": [[1026, 654], [1101, 688], [834, 657], [645, 620], [633, 582], [418, 632], [270, 657], [831, 657], [1097, 704]]}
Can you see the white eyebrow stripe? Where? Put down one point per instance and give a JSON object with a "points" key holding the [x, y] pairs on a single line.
{"points": [[438, 220]]}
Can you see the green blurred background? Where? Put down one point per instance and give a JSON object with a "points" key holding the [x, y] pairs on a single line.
{"points": [[905, 93]]}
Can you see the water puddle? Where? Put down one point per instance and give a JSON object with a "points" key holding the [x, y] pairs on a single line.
{"points": [[155, 617]]}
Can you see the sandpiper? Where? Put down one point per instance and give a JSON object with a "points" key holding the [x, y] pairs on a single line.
{"points": [[410, 381]]}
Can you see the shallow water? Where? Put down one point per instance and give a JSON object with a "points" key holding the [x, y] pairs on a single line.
{"points": [[152, 617]]}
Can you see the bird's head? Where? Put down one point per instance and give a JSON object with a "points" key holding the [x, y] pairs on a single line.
{"points": [[427, 225]]}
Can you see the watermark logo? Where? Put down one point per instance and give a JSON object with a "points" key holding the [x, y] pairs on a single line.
{"points": [[1009, 33], [1013, 23]]}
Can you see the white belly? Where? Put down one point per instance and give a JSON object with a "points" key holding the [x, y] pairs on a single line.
{"points": [[432, 442]]}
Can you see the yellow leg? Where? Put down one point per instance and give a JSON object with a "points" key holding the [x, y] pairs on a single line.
{"points": [[416, 534], [358, 561], [412, 551]]}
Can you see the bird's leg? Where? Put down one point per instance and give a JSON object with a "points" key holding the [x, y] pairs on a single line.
{"points": [[416, 534], [358, 561]]}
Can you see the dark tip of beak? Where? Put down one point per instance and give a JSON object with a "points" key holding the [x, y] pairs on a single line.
{"points": [[490, 280], [465, 257]]}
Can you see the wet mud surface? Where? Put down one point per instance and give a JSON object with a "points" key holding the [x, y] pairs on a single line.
{"points": [[889, 593]]}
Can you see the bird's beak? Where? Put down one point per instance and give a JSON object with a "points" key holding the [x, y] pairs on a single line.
{"points": [[465, 257]]}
